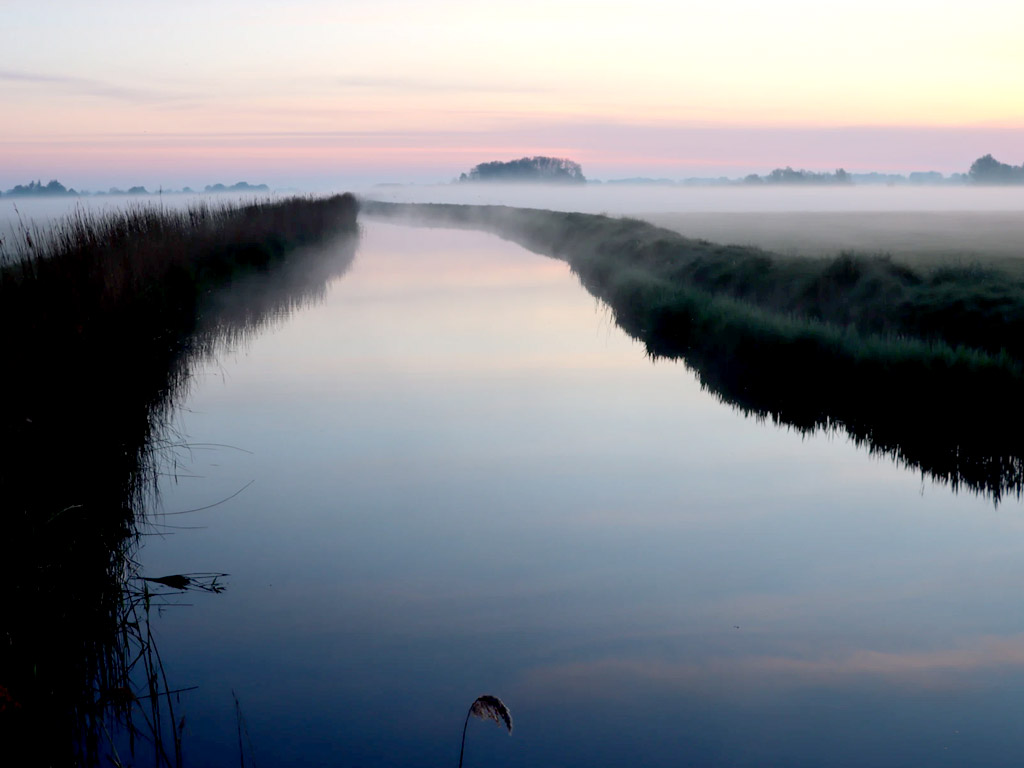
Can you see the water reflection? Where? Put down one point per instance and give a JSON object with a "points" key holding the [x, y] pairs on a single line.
{"points": [[958, 424], [87, 424], [969, 434], [469, 480]]}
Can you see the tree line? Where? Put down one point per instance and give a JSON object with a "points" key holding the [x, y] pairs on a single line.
{"points": [[55, 189], [984, 170]]}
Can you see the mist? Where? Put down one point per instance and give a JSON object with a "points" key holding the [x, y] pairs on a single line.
{"points": [[911, 223], [953, 224], [634, 199]]}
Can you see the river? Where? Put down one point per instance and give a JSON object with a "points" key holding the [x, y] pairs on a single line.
{"points": [[455, 476]]}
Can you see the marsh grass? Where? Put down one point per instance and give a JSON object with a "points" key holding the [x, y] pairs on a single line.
{"points": [[926, 367], [101, 322]]}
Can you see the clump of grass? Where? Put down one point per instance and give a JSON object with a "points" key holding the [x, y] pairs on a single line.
{"points": [[926, 367]]}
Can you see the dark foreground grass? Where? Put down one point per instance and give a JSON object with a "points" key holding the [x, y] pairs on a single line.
{"points": [[923, 367], [105, 306], [101, 321]]}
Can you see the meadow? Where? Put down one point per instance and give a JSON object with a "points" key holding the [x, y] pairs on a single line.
{"points": [[916, 238]]}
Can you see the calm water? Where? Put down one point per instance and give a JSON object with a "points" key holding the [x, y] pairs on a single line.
{"points": [[461, 478]]}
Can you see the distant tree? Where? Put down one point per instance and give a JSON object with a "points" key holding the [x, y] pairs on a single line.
{"points": [[241, 186], [788, 176], [244, 186], [785, 176], [33, 188], [527, 169], [137, 191], [988, 170]]}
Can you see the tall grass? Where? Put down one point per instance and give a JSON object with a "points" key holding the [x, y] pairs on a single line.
{"points": [[923, 367], [100, 323]]}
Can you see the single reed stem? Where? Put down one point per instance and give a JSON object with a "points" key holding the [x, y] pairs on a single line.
{"points": [[464, 726]]}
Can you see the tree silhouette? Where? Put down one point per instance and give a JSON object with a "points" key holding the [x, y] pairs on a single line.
{"points": [[988, 170], [527, 169]]}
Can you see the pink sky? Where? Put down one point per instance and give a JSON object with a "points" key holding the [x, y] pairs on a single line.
{"points": [[315, 94]]}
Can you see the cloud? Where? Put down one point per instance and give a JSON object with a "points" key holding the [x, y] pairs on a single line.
{"points": [[928, 669], [90, 87]]}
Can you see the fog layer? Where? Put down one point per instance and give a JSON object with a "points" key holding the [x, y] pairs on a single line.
{"points": [[913, 224], [642, 199]]}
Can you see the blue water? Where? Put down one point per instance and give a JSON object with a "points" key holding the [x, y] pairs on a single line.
{"points": [[461, 478]]}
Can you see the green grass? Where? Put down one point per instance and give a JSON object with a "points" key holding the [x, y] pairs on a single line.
{"points": [[923, 367]]}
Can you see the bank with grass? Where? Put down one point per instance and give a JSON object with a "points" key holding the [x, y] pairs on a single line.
{"points": [[101, 322], [926, 366]]}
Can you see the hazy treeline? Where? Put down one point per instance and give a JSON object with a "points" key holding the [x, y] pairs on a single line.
{"points": [[788, 176], [100, 322], [919, 364], [527, 169], [988, 170], [984, 170], [55, 189]]}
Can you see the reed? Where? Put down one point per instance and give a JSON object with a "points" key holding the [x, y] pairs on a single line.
{"points": [[486, 707], [101, 322]]}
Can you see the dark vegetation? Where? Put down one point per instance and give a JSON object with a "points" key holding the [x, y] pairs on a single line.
{"points": [[528, 170], [924, 366], [984, 171], [788, 176], [988, 170], [37, 189], [101, 321], [241, 186]]}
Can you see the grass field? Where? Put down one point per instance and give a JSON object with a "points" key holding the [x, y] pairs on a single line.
{"points": [[915, 238]]}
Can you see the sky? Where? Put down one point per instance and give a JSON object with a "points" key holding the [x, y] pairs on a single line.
{"points": [[313, 94]]}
